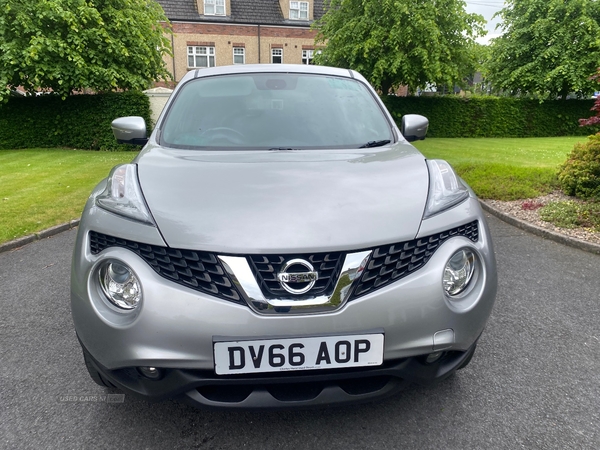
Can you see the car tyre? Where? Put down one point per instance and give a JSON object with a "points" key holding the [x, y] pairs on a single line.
{"points": [[95, 374]]}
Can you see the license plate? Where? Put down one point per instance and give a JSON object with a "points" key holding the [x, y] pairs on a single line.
{"points": [[309, 353]]}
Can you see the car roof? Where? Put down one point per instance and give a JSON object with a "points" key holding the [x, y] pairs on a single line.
{"points": [[270, 68]]}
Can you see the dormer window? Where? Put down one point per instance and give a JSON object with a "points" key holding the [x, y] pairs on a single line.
{"points": [[214, 7], [299, 10]]}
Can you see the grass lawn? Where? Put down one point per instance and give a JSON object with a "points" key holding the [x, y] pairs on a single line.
{"points": [[504, 169], [40, 188]]}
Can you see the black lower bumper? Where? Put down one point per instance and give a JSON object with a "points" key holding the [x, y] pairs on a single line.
{"points": [[204, 389]]}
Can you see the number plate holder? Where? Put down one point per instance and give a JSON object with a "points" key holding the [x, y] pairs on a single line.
{"points": [[293, 354]]}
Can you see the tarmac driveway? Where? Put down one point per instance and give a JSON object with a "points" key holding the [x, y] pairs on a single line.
{"points": [[533, 383]]}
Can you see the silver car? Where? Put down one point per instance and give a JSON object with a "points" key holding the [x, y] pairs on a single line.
{"points": [[279, 243]]}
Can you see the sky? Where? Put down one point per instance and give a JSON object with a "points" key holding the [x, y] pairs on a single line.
{"points": [[487, 8]]}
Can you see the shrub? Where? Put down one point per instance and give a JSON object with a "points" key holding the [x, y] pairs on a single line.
{"points": [[580, 174], [79, 121], [484, 116]]}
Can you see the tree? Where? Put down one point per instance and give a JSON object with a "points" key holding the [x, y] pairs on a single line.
{"points": [[399, 42], [549, 48], [594, 120], [478, 56], [67, 45]]}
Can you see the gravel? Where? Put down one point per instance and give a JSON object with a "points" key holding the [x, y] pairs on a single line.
{"points": [[532, 216]]}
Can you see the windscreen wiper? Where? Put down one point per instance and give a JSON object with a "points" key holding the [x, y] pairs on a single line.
{"points": [[282, 148], [375, 143]]}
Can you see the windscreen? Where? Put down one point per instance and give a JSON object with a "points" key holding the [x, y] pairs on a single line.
{"points": [[274, 111]]}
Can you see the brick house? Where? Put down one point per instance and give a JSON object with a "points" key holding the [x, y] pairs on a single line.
{"points": [[209, 33]]}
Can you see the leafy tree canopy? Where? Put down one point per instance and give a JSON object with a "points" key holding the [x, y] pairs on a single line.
{"points": [[67, 45], [399, 42], [476, 56], [549, 48]]}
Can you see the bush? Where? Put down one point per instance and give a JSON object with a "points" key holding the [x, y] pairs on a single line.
{"points": [[580, 174], [79, 121], [452, 116]]}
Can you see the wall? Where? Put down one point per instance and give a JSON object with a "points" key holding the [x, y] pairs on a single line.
{"points": [[158, 98], [224, 36]]}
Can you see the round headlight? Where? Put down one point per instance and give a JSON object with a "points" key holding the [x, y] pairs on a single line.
{"points": [[459, 271], [120, 285]]}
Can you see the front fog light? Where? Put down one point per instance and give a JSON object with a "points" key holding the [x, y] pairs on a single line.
{"points": [[433, 357], [151, 373], [459, 271], [120, 285]]}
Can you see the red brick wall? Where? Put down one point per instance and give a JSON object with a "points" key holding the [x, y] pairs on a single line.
{"points": [[242, 30], [298, 33], [210, 28]]}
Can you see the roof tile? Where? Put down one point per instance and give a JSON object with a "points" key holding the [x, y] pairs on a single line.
{"points": [[264, 12]]}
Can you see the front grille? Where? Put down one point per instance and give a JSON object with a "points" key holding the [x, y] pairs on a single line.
{"points": [[390, 263], [266, 268], [200, 271]]}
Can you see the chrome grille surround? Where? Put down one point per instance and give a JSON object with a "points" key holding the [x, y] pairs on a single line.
{"points": [[239, 270]]}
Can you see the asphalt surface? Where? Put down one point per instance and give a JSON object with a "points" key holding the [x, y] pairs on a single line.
{"points": [[534, 382]]}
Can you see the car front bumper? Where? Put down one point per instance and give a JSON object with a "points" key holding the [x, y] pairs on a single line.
{"points": [[175, 327], [314, 389]]}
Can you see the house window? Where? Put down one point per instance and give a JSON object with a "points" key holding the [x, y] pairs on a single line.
{"points": [[239, 55], [201, 56], [214, 7], [299, 10], [277, 55], [307, 56]]}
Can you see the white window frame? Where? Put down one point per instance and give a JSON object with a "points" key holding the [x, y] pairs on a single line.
{"points": [[241, 51], [307, 55], [214, 7], [198, 53], [299, 10], [276, 52]]}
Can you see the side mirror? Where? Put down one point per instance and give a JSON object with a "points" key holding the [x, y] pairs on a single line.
{"points": [[414, 127], [130, 130]]}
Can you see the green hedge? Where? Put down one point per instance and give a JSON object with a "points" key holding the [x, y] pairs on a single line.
{"points": [[453, 116], [83, 121], [79, 121]]}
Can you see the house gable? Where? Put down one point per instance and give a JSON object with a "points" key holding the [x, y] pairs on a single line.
{"points": [[240, 32], [263, 12]]}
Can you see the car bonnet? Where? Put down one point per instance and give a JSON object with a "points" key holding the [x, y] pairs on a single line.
{"points": [[243, 202]]}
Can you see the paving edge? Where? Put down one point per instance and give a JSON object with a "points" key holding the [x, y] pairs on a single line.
{"points": [[17, 243], [542, 232], [547, 234]]}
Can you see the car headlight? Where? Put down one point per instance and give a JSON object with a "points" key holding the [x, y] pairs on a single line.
{"points": [[123, 195], [459, 271], [120, 286], [445, 188]]}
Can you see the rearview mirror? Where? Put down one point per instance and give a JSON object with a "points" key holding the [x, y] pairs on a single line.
{"points": [[130, 130], [414, 127]]}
